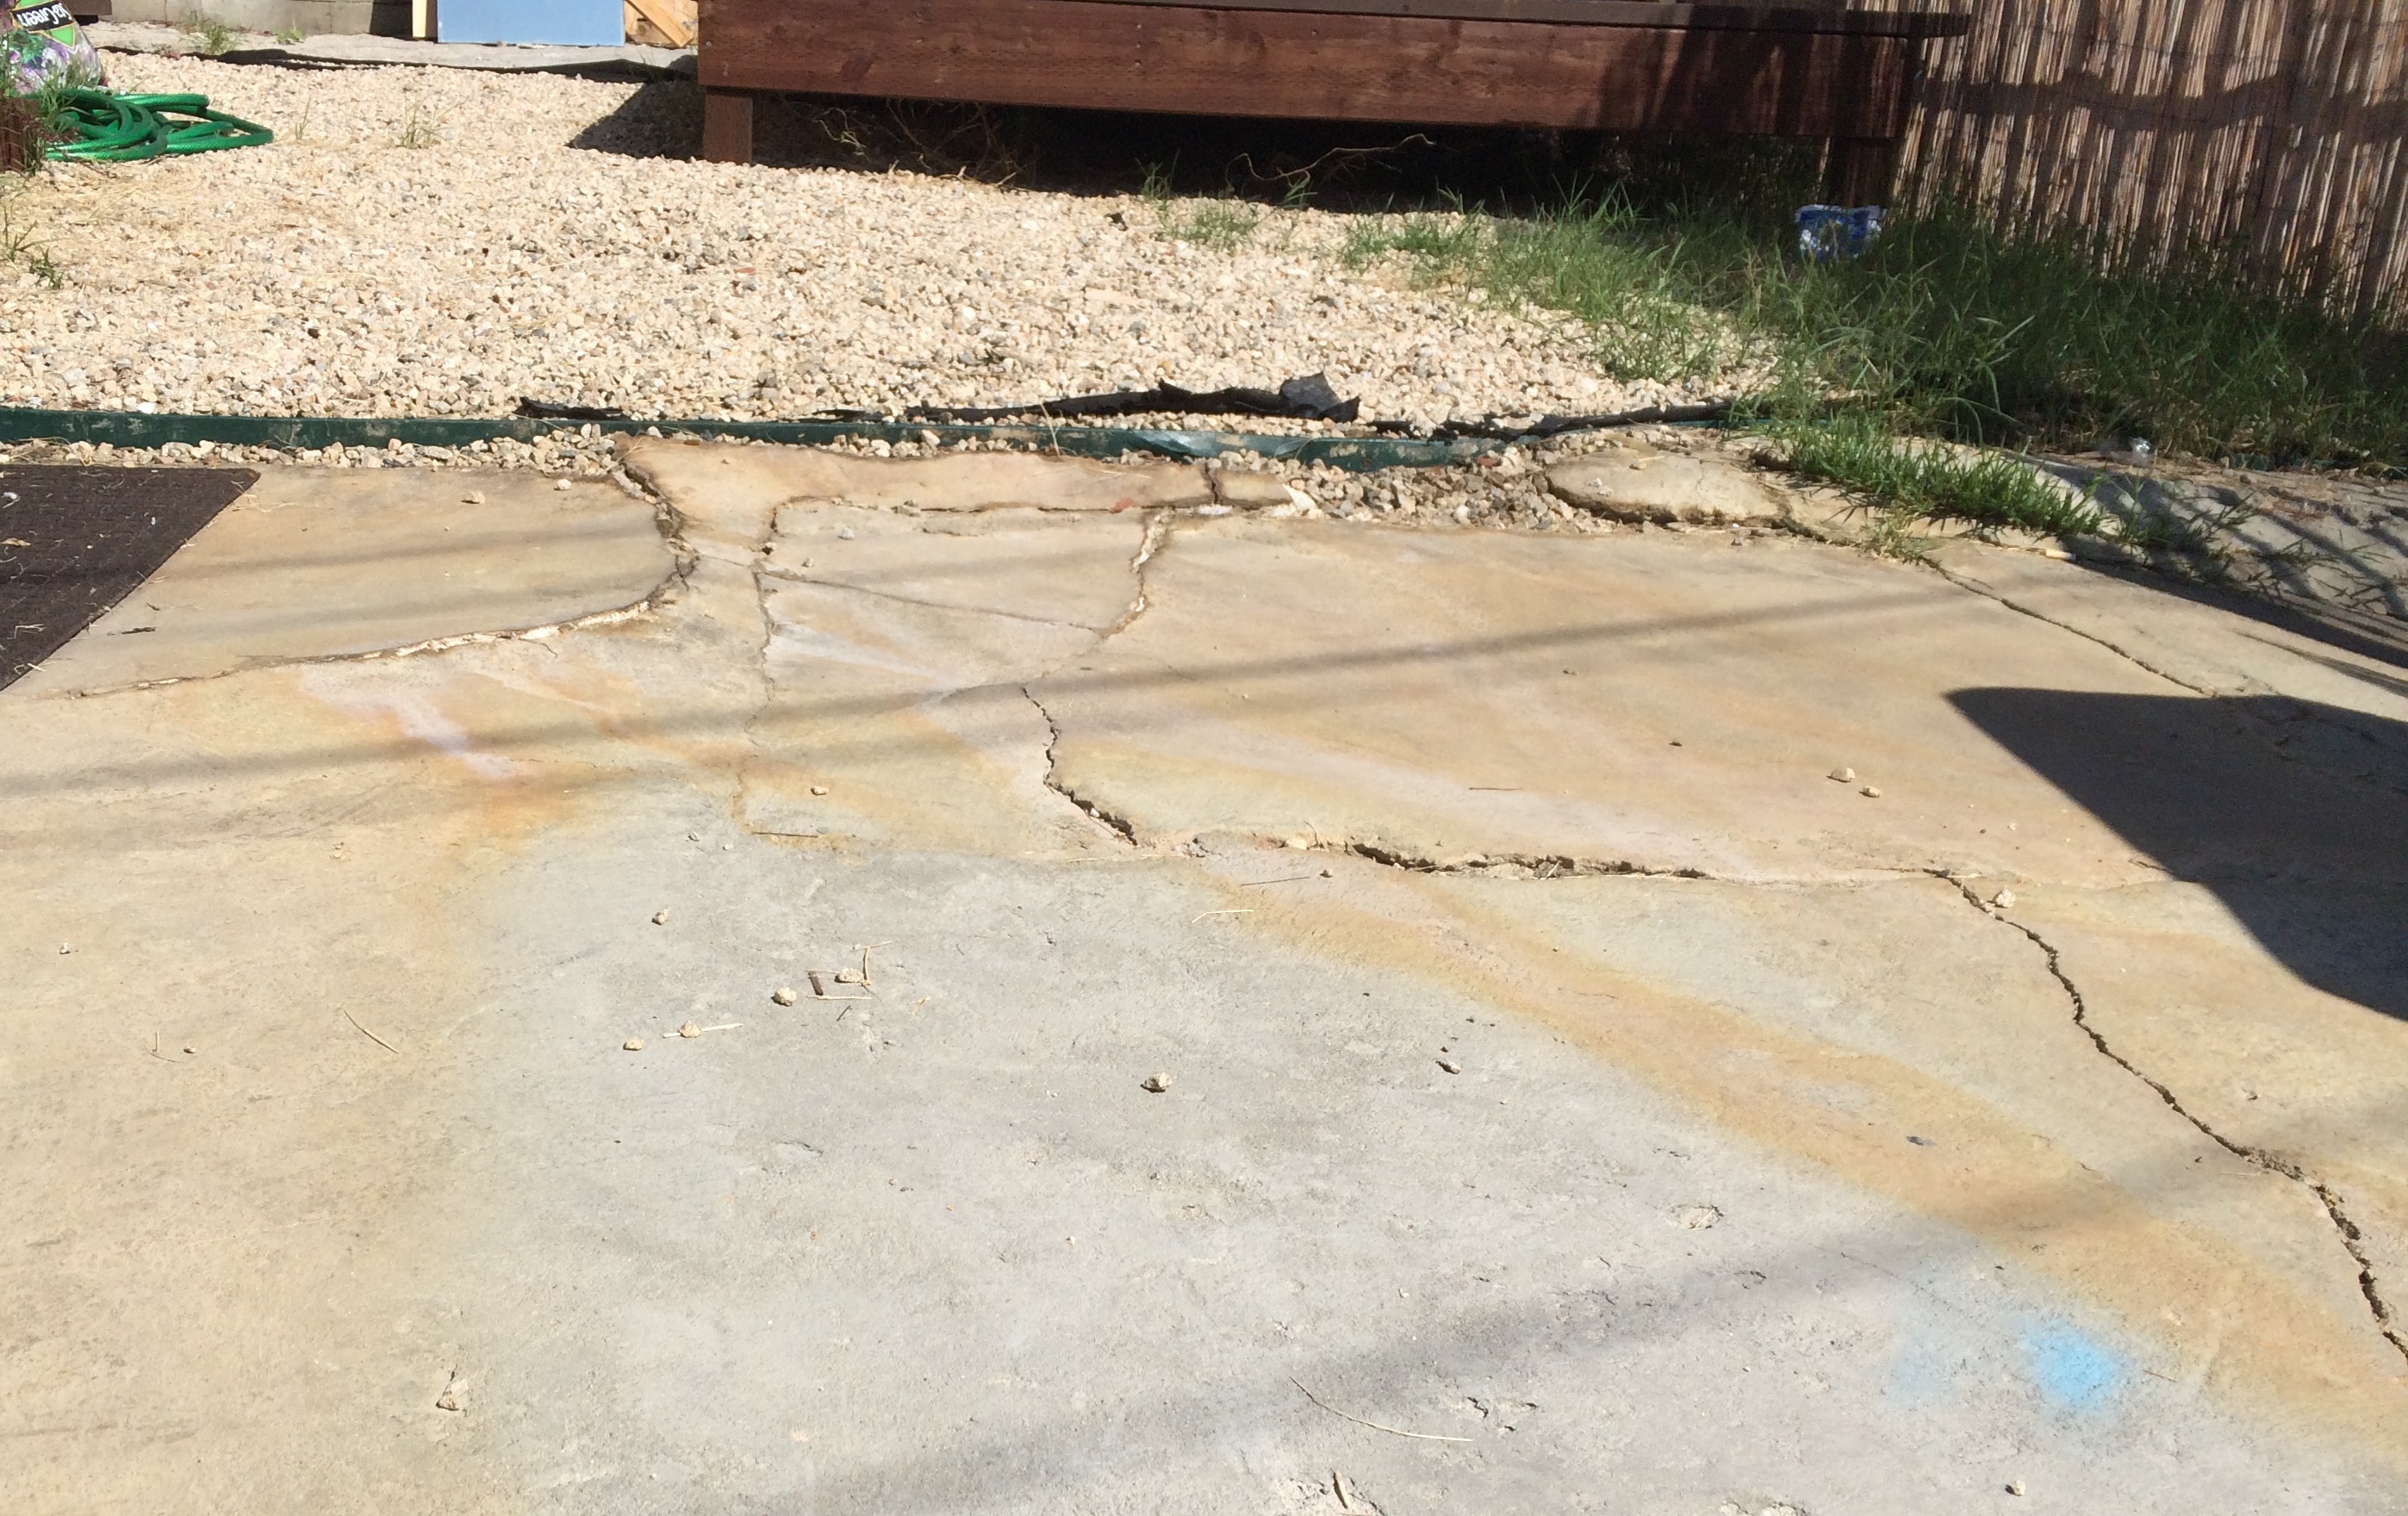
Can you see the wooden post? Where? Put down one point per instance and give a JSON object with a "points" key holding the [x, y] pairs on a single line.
{"points": [[727, 127], [1860, 170]]}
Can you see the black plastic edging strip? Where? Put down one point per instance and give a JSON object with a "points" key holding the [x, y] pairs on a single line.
{"points": [[136, 429]]}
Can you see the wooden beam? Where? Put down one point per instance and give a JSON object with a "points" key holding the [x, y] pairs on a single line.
{"points": [[1727, 15], [1201, 60], [727, 127]]}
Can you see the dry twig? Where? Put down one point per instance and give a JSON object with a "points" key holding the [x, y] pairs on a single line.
{"points": [[1392, 1431], [365, 1033]]}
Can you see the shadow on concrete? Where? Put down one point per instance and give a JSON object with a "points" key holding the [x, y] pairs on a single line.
{"points": [[2312, 859]]}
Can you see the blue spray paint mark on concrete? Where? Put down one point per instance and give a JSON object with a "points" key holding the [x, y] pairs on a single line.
{"points": [[2074, 1373]]}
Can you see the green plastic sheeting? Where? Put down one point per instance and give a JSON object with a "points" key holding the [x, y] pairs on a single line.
{"points": [[134, 429]]}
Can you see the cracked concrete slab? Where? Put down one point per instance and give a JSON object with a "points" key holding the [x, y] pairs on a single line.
{"points": [[2275, 1056], [325, 564], [1651, 703], [2206, 641], [1802, 1186]]}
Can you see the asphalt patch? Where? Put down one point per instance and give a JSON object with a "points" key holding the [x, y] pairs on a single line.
{"points": [[75, 541]]}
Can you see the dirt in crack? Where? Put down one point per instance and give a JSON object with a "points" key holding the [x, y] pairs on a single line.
{"points": [[1511, 864], [1157, 534], [2352, 1240]]}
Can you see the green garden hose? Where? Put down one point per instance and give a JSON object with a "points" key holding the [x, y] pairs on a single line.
{"points": [[120, 128]]}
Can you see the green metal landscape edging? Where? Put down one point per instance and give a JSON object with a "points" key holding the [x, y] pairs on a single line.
{"points": [[136, 429]]}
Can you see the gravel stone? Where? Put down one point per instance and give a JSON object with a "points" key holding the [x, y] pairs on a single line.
{"points": [[555, 241]]}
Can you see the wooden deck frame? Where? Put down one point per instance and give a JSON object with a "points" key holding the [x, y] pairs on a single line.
{"points": [[1798, 70]]}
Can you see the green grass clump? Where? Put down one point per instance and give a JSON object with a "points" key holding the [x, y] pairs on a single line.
{"points": [[1946, 326], [1932, 481]]}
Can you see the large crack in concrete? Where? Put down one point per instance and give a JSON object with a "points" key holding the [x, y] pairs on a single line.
{"points": [[1155, 537], [1121, 826], [2352, 1240]]}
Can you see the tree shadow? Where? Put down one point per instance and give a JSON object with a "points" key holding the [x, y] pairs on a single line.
{"points": [[2308, 853]]}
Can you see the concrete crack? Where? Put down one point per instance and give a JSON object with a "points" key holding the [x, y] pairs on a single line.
{"points": [[1975, 586], [785, 578], [1120, 824], [2352, 1240]]}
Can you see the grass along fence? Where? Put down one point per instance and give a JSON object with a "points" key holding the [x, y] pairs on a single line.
{"points": [[1946, 328], [2273, 129]]}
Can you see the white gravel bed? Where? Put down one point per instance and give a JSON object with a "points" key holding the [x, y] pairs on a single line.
{"points": [[340, 272]]}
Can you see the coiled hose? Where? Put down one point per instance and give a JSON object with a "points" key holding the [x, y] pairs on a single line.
{"points": [[120, 128]]}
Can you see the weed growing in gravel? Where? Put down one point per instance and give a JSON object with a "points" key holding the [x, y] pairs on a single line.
{"points": [[1215, 226], [419, 130], [23, 249], [214, 35]]}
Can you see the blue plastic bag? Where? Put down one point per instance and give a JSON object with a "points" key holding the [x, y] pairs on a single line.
{"points": [[1826, 232]]}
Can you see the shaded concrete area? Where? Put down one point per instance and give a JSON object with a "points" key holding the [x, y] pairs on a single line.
{"points": [[1640, 1127], [312, 563]]}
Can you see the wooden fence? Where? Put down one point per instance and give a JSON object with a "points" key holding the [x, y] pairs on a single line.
{"points": [[2274, 125]]}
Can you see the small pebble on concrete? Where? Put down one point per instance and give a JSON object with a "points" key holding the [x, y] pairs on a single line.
{"points": [[1155, 1084], [783, 995]]}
